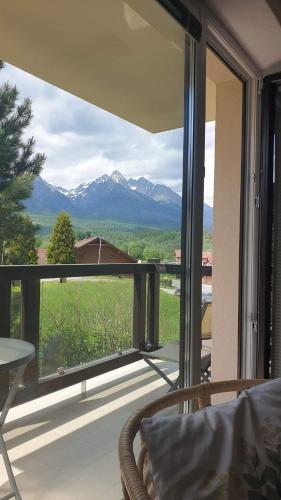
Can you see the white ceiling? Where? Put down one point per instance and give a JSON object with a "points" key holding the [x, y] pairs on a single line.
{"points": [[126, 57], [255, 27]]}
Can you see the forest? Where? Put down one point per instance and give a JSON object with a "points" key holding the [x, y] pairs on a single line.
{"points": [[140, 242]]}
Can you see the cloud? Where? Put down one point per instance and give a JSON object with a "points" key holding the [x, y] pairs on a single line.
{"points": [[82, 142]]}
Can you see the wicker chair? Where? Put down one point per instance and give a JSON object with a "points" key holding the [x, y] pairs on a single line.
{"points": [[137, 483]]}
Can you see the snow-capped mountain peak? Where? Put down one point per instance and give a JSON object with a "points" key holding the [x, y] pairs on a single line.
{"points": [[137, 201], [101, 180], [142, 185], [79, 191], [62, 190], [157, 192], [117, 177]]}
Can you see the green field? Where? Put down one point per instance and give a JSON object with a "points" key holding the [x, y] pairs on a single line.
{"points": [[82, 321]]}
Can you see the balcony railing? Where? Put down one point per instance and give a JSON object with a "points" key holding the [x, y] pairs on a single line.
{"points": [[145, 325]]}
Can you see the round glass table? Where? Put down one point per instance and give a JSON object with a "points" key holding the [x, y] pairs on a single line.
{"points": [[14, 355]]}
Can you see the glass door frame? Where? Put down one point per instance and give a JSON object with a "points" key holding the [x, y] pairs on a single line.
{"points": [[192, 191], [270, 85], [209, 32], [192, 211], [215, 36], [223, 44]]}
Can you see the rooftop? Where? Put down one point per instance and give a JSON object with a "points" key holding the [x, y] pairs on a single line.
{"points": [[86, 241]]}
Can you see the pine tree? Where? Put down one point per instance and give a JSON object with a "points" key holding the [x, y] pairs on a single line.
{"points": [[61, 248], [18, 166], [23, 247]]}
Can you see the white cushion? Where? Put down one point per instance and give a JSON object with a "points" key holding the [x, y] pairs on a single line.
{"points": [[230, 451]]}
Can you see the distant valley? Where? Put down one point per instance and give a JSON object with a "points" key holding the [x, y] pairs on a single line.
{"points": [[114, 198]]}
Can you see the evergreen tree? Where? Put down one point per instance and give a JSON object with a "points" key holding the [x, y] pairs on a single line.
{"points": [[61, 248], [135, 249], [151, 252], [18, 166], [22, 249], [123, 246]]}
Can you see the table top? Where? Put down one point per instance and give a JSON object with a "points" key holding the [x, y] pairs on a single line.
{"points": [[170, 352], [14, 353]]}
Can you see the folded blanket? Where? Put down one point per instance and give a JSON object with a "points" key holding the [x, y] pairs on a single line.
{"points": [[230, 451]]}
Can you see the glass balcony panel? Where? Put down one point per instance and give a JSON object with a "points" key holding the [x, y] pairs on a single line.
{"points": [[83, 320]]}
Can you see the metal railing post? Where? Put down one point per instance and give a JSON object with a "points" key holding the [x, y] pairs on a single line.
{"points": [[5, 330], [30, 324], [5, 301], [153, 296], [139, 314]]}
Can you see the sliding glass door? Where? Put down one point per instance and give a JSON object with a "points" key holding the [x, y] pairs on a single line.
{"points": [[135, 182]]}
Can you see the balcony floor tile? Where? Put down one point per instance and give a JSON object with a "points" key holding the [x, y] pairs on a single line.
{"points": [[64, 446]]}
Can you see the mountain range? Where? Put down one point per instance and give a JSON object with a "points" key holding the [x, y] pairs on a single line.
{"points": [[113, 197]]}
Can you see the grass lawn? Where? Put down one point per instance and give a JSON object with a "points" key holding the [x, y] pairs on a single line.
{"points": [[82, 320]]}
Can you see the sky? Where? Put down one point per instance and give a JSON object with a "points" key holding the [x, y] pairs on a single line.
{"points": [[82, 142]]}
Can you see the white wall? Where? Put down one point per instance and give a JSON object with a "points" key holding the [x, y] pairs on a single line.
{"points": [[227, 190]]}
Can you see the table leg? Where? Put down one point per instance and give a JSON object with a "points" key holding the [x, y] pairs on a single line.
{"points": [[173, 385], [8, 404]]}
